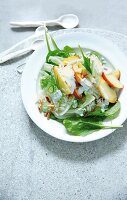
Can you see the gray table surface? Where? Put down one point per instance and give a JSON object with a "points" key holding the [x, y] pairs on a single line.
{"points": [[34, 165]]}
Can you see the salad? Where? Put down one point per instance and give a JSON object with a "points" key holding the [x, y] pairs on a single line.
{"points": [[79, 88]]}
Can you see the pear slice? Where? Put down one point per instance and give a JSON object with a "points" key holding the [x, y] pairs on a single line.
{"points": [[79, 68], [106, 92], [112, 80], [117, 73], [64, 87], [69, 59]]}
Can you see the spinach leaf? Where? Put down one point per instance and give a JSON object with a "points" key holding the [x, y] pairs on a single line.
{"points": [[84, 126], [86, 61], [111, 113], [64, 53], [81, 126], [52, 116], [94, 121], [60, 53], [69, 50], [96, 112]]}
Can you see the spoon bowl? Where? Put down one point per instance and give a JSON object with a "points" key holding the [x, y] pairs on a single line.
{"points": [[68, 21]]}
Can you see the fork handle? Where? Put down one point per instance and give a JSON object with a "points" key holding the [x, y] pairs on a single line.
{"points": [[15, 54]]}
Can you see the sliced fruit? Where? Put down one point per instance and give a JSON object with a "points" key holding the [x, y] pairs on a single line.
{"points": [[106, 92], [107, 69], [61, 82], [76, 94], [78, 67], [84, 71], [69, 59], [117, 73], [78, 77], [112, 80]]}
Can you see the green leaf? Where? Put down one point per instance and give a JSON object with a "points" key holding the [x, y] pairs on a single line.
{"points": [[97, 112], [48, 82], [66, 52], [56, 52], [52, 116], [69, 49], [84, 126], [47, 41], [86, 60], [44, 83], [54, 43], [111, 113], [89, 98], [77, 127]]}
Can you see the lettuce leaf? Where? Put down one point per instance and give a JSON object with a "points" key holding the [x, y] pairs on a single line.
{"points": [[48, 82], [84, 126]]}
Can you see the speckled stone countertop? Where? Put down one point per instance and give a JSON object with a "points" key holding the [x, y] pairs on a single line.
{"points": [[34, 165]]}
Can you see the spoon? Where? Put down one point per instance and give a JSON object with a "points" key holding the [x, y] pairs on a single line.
{"points": [[36, 44], [66, 21], [39, 32]]}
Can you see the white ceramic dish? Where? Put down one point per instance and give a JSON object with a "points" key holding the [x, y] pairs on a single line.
{"points": [[30, 75]]}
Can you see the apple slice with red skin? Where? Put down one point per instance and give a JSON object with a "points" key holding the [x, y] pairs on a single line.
{"points": [[78, 77], [106, 92], [76, 94], [112, 80]]}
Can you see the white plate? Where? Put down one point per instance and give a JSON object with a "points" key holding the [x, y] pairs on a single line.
{"points": [[30, 75]]}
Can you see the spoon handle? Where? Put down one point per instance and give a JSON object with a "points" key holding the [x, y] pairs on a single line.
{"points": [[34, 23], [26, 24], [15, 54]]}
